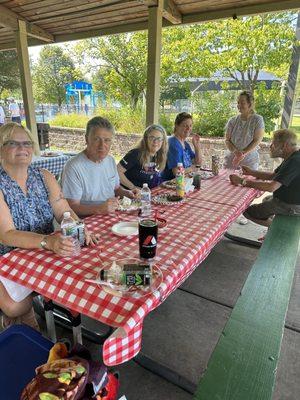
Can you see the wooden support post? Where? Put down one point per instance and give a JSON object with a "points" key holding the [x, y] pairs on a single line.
{"points": [[153, 67], [26, 83], [289, 98]]}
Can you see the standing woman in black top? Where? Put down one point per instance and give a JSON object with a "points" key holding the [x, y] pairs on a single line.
{"points": [[146, 161]]}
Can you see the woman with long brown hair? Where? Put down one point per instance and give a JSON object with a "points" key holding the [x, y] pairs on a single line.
{"points": [[144, 163]]}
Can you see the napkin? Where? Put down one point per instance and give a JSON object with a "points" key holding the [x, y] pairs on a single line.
{"points": [[188, 185]]}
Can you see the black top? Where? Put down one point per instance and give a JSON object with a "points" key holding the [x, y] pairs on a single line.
{"points": [[137, 174], [288, 174]]}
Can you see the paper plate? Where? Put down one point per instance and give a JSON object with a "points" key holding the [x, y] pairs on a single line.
{"points": [[132, 291], [125, 228], [165, 199]]}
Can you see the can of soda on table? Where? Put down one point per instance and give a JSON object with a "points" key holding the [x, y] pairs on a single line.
{"points": [[215, 164], [147, 237]]}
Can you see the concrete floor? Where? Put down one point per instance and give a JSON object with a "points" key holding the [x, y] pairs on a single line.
{"points": [[182, 333]]}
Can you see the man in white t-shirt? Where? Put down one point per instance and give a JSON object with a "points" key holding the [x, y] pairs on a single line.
{"points": [[14, 111], [2, 115], [90, 179]]}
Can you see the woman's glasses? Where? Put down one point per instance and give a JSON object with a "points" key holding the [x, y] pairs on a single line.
{"points": [[155, 139], [13, 144]]}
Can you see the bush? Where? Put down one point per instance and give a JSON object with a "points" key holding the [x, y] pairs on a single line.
{"points": [[211, 112], [268, 104], [167, 121], [125, 119], [69, 120]]}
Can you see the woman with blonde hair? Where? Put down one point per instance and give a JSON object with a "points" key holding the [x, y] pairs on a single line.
{"points": [[29, 200], [146, 161]]}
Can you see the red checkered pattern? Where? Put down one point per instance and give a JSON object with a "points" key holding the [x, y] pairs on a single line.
{"points": [[194, 227]]}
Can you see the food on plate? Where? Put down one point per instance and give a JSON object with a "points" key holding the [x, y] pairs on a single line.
{"points": [[126, 204], [173, 197]]}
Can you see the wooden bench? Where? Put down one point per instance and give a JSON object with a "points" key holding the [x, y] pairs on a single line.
{"points": [[244, 363]]}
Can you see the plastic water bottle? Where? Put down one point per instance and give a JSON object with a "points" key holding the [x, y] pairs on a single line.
{"points": [[145, 200], [69, 229], [180, 188]]}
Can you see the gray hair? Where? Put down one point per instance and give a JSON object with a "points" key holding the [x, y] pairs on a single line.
{"points": [[285, 136], [98, 122]]}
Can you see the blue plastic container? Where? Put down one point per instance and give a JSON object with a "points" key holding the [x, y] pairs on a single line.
{"points": [[22, 349]]}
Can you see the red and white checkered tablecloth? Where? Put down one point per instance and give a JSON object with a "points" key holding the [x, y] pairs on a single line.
{"points": [[194, 227]]}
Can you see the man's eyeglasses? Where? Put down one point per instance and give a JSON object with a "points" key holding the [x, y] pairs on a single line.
{"points": [[13, 144], [155, 139]]}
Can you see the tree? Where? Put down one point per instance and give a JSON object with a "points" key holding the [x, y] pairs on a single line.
{"points": [[250, 45], [119, 64], [9, 71], [53, 70]]}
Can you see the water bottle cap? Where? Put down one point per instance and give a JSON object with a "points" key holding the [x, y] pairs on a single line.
{"points": [[67, 214], [145, 185], [179, 164]]}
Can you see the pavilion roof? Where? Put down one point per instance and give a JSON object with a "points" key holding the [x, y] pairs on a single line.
{"points": [[50, 21]]}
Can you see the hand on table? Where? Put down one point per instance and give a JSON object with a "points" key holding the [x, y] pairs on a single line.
{"points": [[110, 206], [134, 193], [235, 179], [91, 239], [247, 170], [63, 246]]}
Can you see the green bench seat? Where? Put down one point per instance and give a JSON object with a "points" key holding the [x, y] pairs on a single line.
{"points": [[244, 363]]}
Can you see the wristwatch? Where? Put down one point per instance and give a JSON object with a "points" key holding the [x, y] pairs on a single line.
{"points": [[43, 243], [243, 182]]}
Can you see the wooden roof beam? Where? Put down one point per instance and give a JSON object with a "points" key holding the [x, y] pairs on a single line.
{"points": [[170, 11], [259, 8], [10, 19]]}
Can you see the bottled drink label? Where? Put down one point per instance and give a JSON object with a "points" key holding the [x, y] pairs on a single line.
{"points": [[132, 275], [180, 184], [69, 229]]}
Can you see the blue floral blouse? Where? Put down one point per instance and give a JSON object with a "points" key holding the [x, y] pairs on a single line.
{"points": [[31, 212]]}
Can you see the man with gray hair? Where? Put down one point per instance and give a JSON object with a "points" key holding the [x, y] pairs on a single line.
{"points": [[284, 182], [90, 179]]}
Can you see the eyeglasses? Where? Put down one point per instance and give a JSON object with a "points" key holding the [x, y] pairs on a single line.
{"points": [[155, 139], [13, 144], [98, 140]]}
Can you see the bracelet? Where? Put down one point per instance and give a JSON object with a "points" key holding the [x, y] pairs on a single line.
{"points": [[43, 243]]}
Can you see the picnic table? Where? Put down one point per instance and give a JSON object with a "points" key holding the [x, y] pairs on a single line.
{"points": [[54, 164], [194, 228]]}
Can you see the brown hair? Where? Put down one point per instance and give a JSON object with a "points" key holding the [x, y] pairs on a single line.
{"points": [[249, 96], [182, 117], [142, 146], [285, 136]]}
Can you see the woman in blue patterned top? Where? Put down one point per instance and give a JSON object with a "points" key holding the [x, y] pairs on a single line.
{"points": [[180, 150], [29, 200]]}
